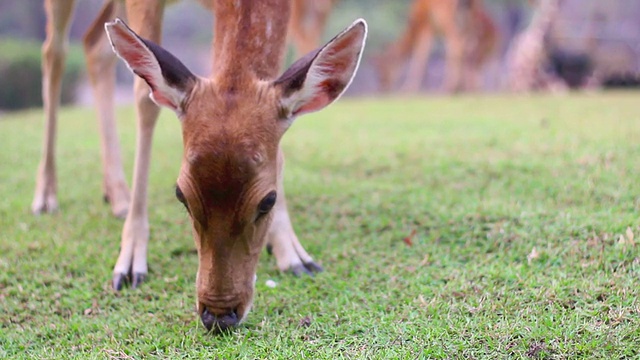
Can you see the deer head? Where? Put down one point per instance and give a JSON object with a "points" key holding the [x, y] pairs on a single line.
{"points": [[232, 124]]}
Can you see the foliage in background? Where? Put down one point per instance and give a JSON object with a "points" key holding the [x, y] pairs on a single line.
{"points": [[21, 74]]}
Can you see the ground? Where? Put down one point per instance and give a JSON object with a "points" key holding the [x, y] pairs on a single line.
{"points": [[523, 212]]}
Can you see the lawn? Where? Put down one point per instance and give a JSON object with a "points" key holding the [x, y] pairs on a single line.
{"points": [[524, 211]]}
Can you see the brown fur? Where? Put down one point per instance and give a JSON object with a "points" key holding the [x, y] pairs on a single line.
{"points": [[231, 137], [232, 123]]}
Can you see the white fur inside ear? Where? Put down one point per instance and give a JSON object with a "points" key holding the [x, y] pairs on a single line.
{"points": [[143, 63], [331, 71]]}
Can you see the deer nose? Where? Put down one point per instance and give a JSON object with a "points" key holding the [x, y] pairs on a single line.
{"points": [[219, 323]]}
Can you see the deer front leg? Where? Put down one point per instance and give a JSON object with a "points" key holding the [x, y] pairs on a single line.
{"points": [[53, 55], [282, 241], [101, 62], [132, 261]]}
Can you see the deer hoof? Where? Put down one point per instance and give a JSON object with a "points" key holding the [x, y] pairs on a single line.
{"points": [[313, 267], [44, 206], [309, 268], [137, 279], [119, 281], [118, 210], [120, 213]]}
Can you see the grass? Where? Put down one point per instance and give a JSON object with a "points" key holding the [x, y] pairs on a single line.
{"points": [[524, 210]]}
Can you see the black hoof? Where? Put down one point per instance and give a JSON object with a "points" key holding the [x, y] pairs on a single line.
{"points": [[313, 267], [105, 198], [269, 249], [137, 279], [309, 268], [122, 280], [300, 269], [119, 281]]}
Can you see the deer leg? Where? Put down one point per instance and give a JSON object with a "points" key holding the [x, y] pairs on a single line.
{"points": [[282, 241], [472, 73], [101, 62], [386, 67], [454, 60], [132, 260], [53, 54], [418, 62]]}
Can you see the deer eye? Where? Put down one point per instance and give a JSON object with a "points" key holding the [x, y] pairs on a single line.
{"points": [[180, 197], [267, 204]]}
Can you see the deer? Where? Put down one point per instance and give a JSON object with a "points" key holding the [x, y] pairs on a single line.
{"points": [[230, 179], [308, 20], [470, 38], [306, 24]]}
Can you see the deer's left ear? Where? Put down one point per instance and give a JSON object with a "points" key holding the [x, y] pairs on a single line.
{"points": [[170, 81], [320, 77]]}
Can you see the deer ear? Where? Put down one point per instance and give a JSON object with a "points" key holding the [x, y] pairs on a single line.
{"points": [[320, 77], [170, 81]]}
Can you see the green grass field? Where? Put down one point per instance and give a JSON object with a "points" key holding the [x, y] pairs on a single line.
{"points": [[524, 210]]}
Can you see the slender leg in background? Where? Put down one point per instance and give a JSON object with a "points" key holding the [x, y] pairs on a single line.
{"points": [[53, 55]]}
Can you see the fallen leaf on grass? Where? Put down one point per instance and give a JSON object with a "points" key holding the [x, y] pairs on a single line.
{"points": [[305, 322], [117, 354], [630, 236], [424, 303], [171, 279], [94, 309], [532, 255], [409, 239], [535, 348]]}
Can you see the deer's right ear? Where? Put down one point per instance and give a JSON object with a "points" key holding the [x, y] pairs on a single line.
{"points": [[170, 81], [320, 77]]}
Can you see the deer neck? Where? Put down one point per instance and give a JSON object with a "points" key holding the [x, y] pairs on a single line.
{"points": [[250, 38]]}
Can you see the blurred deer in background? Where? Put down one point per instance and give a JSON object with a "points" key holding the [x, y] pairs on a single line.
{"points": [[231, 179], [470, 39], [529, 53], [307, 23]]}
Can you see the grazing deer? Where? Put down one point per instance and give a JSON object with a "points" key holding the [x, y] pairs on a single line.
{"points": [[231, 177], [306, 24], [469, 34]]}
